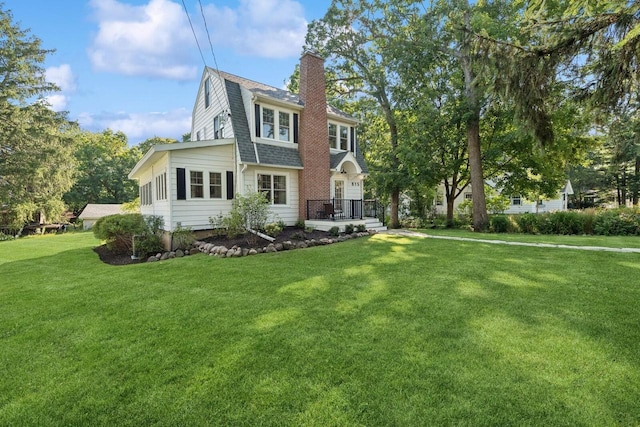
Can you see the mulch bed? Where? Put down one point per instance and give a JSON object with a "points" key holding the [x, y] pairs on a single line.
{"points": [[289, 233]]}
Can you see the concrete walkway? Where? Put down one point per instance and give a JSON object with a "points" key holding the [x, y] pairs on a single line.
{"points": [[503, 242]]}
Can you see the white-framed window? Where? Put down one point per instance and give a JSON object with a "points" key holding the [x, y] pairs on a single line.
{"points": [[468, 196], [146, 195], [516, 200], [207, 93], [274, 186], [161, 186], [439, 198], [333, 135], [284, 121], [197, 184], [268, 123], [198, 136], [215, 185], [276, 124], [218, 126], [339, 137], [344, 138]]}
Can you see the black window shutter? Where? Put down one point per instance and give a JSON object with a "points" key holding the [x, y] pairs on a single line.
{"points": [[182, 183], [229, 185], [258, 120], [353, 139], [295, 128]]}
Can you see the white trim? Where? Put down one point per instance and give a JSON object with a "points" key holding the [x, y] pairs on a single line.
{"points": [[287, 176]]}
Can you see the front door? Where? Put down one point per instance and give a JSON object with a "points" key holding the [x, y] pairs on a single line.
{"points": [[338, 194]]}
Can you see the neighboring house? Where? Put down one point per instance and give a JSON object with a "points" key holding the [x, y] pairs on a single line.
{"points": [[94, 211], [251, 137], [517, 203]]}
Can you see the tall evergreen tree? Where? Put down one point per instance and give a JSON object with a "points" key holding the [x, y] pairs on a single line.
{"points": [[36, 163]]}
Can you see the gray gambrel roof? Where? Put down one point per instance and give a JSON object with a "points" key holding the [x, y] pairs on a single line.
{"points": [[269, 154], [276, 93], [240, 123]]}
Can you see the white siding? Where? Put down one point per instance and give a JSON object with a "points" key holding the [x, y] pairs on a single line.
{"points": [[526, 206], [158, 207], [195, 213], [287, 213], [203, 117]]}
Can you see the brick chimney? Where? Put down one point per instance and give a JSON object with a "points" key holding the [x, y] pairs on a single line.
{"points": [[313, 139]]}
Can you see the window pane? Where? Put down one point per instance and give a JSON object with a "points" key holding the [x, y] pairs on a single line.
{"points": [[215, 185], [197, 184], [279, 182], [279, 197], [284, 126], [344, 141], [333, 136], [267, 123]]}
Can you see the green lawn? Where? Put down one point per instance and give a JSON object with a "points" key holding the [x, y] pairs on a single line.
{"points": [[586, 240], [386, 330]]}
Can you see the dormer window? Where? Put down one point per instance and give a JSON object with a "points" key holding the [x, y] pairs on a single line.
{"points": [[269, 121], [341, 137], [333, 135], [344, 138], [285, 131]]}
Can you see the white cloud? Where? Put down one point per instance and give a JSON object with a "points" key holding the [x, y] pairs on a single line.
{"points": [[57, 102], [149, 40], [265, 28], [140, 126], [64, 78]]}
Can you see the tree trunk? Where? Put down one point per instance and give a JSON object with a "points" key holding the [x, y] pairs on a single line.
{"points": [[450, 201], [636, 182], [395, 202], [480, 217]]}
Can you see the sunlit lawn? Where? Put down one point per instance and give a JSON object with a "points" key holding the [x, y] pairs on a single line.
{"points": [[385, 330], [583, 240]]}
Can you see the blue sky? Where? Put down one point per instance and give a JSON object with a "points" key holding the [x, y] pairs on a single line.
{"points": [[133, 65]]}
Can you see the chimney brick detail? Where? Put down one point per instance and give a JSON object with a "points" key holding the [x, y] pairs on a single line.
{"points": [[313, 145]]}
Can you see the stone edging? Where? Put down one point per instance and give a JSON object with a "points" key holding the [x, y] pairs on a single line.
{"points": [[236, 251]]}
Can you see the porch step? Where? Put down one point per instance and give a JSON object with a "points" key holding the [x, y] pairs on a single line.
{"points": [[374, 224]]}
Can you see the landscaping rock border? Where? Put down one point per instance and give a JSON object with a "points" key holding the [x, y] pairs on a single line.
{"points": [[237, 251]]}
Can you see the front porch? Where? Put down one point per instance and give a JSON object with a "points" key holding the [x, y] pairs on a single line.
{"points": [[325, 214]]}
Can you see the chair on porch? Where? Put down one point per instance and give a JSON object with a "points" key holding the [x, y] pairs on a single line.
{"points": [[328, 211]]}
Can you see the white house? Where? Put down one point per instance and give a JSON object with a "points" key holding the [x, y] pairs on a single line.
{"points": [[248, 136], [517, 203], [94, 211]]}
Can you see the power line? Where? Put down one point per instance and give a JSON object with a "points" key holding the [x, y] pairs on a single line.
{"points": [[194, 32], [215, 62], [215, 92]]}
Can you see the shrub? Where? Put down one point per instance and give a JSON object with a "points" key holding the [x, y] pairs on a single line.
{"points": [[300, 224], [361, 228], [182, 237], [527, 223], [334, 231], [499, 223], [5, 237], [234, 223], [348, 229], [273, 229], [254, 208], [148, 244], [622, 222], [118, 230], [217, 224]]}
